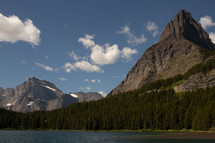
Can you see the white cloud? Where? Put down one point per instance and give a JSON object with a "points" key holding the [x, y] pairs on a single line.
{"points": [[88, 67], [128, 52], [82, 65], [102, 56], [98, 80], [93, 80], [115, 76], [69, 67], [102, 93], [206, 22], [12, 29], [87, 41], [152, 27], [74, 56], [132, 39], [88, 88], [47, 57], [62, 79], [212, 36], [23, 62], [47, 68]]}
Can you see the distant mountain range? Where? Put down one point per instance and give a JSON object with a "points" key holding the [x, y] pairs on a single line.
{"points": [[36, 94]]}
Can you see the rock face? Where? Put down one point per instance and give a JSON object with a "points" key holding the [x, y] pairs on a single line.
{"points": [[194, 82], [85, 97], [183, 44], [34, 94], [185, 27]]}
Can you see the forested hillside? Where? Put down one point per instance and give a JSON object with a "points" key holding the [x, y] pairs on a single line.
{"points": [[154, 110]]}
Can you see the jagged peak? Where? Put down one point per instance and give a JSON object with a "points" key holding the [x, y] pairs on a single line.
{"points": [[34, 79], [185, 27]]}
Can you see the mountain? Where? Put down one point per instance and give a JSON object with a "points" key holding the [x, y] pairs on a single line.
{"points": [[183, 44], [85, 97], [36, 94]]}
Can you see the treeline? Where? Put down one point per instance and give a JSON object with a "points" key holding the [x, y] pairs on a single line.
{"points": [[155, 110]]}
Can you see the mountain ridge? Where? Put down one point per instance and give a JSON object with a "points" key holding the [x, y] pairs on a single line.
{"points": [[35, 94], [174, 54]]}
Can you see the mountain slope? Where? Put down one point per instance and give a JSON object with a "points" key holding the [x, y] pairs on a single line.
{"points": [[34, 94], [85, 97], [183, 44]]}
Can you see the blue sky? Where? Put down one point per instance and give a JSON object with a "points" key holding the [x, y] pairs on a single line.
{"points": [[83, 45]]}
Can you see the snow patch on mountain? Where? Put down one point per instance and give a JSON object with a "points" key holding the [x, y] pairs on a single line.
{"points": [[9, 104], [74, 95], [30, 103], [48, 87]]}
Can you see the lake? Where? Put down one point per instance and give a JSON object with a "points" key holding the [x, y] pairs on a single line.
{"points": [[13, 136]]}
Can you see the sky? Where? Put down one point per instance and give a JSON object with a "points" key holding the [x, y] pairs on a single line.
{"points": [[82, 45]]}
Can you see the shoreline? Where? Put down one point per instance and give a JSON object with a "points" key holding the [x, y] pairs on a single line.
{"points": [[141, 130]]}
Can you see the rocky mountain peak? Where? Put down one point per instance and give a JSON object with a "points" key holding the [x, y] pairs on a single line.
{"points": [[183, 44], [33, 80], [36, 94], [185, 27]]}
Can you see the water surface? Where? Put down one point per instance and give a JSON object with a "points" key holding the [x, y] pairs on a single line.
{"points": [[11, 136]]}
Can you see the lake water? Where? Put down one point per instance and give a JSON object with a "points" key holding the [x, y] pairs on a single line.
{"points": [[10, 136]]}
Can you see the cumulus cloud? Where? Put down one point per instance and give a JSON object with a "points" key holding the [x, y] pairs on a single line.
{"points": [[128, 52], [82, 65], [62, 79], [92, 80], [102, 93], [88, 67], [69, 67], [212, 36], [101, 55], [47, 68], [104, 56], [87, 41], [131, 39], [206, 22], [152, 27], [12, 29], [74, 56], [107, 54]]}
